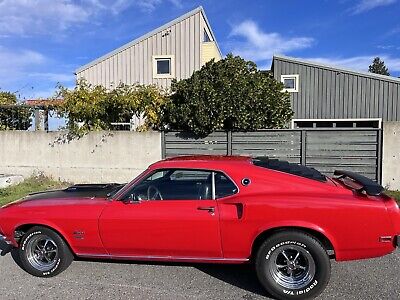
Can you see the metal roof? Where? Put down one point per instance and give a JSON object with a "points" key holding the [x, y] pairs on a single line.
{"points": [[151, 33], [337, 69]]}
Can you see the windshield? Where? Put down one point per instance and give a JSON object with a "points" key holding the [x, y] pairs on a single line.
{"points": [[121, 188]]}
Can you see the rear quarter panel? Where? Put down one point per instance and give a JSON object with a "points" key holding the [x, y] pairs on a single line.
{"points": [[352, 223]]}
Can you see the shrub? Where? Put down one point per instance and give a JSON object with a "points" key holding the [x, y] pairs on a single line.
{"points": [[89, 107], [13, 116], [230, 94]]}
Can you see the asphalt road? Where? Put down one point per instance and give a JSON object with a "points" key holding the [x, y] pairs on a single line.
{"points": [[368, 279]]}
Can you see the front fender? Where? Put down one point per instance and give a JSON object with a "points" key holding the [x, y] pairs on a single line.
{"points": [[48, 224]]}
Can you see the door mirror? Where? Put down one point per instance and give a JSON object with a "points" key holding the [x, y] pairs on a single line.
{"points": [[132, 199]]}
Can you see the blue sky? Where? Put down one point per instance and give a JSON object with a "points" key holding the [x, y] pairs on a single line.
{"points": [[42, 42]]}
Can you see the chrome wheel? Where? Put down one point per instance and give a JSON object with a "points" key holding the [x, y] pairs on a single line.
{"points": [[42, 253], [292, 267]]}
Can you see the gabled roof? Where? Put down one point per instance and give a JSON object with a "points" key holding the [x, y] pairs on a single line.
{"points": [[151, 33], [332, 68]]}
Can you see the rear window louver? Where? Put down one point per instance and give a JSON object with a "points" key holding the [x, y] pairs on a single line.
{"points": [[287, 167]]}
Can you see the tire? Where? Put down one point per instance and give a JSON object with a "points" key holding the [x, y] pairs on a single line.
{"points": [[43, 253], [286, 278]]}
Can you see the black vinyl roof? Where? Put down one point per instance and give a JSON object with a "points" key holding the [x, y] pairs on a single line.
{"points": [[291, 168]]}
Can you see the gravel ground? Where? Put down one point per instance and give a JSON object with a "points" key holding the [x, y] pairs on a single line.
{"points": [[367, 279]]}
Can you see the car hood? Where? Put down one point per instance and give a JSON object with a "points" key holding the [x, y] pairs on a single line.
{"points": [[76, 194]]}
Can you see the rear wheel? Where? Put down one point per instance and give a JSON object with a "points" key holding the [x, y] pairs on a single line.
{"points": [[293, 265], [43, 253]]}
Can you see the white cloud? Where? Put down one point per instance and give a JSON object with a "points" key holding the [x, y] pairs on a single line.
{"points": [[359, 63], [14, 65], [26, 17], [259, 46], [54, 77], [144, 5], [23, 17], [23, 69], [366, 5], [17, 59], [40, 94]]}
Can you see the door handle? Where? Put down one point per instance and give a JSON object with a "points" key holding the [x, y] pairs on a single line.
{"points": [[210, 209]]}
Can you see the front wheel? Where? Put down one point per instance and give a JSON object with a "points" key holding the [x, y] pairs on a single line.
{"points": [[293, 265], [43, 253]]}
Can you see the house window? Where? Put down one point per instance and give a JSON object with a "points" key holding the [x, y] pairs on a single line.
{"points": [[206, 37], [291, 83], [163, 66]]}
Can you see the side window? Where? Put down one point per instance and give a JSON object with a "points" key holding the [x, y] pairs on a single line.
{"points": [[224, 187], [174, 184], [182, 175]]}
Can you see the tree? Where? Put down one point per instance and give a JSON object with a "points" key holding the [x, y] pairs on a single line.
{"points": [[13, 116], [378, 67], [230, 94], [7, 98], [88, 107]]}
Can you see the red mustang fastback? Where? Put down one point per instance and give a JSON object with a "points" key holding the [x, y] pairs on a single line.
{"points": [[286, 218]]}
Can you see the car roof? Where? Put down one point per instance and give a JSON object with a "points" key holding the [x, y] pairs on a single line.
{"points": [[224, 162], [202, 161], [211, 158]]}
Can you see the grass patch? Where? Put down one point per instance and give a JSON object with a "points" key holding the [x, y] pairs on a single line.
{"points": [[394, 194], [29, 185]]}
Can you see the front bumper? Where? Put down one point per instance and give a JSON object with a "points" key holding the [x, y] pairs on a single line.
{"points": [[3, 238], [5, 248]]}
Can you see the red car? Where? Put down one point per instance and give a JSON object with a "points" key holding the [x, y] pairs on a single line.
{"points": [[287, 219]]}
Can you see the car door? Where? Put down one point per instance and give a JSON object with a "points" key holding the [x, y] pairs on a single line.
{"points": [[170, 213]]}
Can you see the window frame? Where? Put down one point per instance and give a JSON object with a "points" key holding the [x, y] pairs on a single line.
{"points": [[171, 59], [296, 78], [125, 196]]}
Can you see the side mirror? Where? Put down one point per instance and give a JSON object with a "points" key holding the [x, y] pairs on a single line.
{"points": [[132, 199]]}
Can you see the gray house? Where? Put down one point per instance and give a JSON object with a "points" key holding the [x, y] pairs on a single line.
{"points": [[174, 50], [324, 96]]}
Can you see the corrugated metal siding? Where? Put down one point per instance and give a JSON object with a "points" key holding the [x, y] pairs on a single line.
{"points": [[357, 150], [350, 150], [279, 144], [134, 64], [328, 94], [180, 143]]}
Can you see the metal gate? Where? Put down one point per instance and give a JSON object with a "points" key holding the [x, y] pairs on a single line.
{"points": [[358, 150]]}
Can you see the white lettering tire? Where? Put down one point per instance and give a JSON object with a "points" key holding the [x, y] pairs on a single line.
{"points": [[43, 253], [293, 265]]}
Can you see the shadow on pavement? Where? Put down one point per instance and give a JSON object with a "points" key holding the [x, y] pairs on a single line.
{"points": [[3, 245], [242, 276]]}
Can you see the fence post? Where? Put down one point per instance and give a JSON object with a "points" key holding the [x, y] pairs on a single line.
{"points": [[163, 146], [37, 119], [379, 156], [229, 143], [303, 134]]}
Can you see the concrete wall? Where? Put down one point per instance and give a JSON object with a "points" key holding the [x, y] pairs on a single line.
{"points": [[391, 155], [119, 156], [98, 157]]}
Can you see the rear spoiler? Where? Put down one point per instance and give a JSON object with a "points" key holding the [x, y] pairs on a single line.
{"points": [[369, 186]]}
